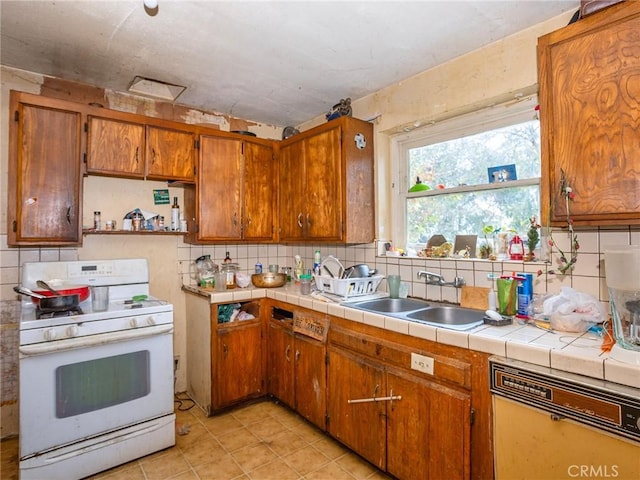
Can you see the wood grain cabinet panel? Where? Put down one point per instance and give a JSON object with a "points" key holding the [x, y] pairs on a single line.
{"points": [[239, 364], [234, 197], [589, 76], [170, 154], [326, 183], [297, 372], [44, 188], [115, 147]]}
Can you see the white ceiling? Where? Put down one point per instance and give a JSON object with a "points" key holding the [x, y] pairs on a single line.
{"points": [[278, 62]]}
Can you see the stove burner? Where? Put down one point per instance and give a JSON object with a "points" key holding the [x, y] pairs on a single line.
{"points": [[66, 313]]}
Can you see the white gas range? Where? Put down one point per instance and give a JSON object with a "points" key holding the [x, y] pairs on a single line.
{"points": [[96, 388]]}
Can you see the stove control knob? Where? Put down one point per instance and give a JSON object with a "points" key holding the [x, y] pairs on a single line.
{"points": [[50, 334], [72, 331], [134, 323], [151, 322]]}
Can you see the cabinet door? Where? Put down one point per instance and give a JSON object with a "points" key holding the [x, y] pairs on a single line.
{"points": [[428, 430], [360, 426], [44, 175], [115, 147], [219, 189], [311, 380], [291, 187], [588, 75], [239, 363], [323, 186], [280, 375], [170, 154], [259, 197]]}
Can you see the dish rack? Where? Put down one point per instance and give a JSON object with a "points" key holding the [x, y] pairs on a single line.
{"points": [[348, 287]]}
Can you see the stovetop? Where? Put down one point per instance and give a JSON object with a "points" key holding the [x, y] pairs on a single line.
{"points": [[125, 278]]}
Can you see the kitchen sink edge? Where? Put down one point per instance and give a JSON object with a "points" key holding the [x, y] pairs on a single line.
{"points": [[437, 314]]}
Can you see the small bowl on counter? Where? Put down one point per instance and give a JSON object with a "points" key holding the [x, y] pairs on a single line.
{"points": [[268, 279]]}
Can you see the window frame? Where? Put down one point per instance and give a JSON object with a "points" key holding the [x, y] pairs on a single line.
{"points": [[501, 115]]}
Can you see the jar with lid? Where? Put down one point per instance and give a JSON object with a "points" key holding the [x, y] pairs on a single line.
{"points": [[230, 270], [96, 220], [305, 284]]}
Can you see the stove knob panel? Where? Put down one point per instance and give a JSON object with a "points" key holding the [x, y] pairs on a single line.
{"points": [[72, 331], [50, 334]]}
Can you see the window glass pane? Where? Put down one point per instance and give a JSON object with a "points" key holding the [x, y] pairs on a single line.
{"points": [[465, 161], [466, 213], [95, 384]]}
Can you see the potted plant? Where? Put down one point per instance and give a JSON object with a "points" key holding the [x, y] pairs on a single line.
{"points": [[486, 247], [533, 237]]}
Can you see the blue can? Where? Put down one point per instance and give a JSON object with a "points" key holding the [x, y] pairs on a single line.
{"points": [[258, 267]]}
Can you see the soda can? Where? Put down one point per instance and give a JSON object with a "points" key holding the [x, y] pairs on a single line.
{"points": [[258, 267]]}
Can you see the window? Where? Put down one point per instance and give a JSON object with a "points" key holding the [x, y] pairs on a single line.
{"points": [[466, 166]]}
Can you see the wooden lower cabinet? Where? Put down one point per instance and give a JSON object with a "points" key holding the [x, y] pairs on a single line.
{"points": [[296, 369], [423, 434], [280, 376], [310, 379], [360, 426], [410, 424], [239, 363], [428, 431]]}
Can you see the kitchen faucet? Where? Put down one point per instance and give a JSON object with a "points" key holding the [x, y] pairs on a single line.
{"points": [[431, 278]]}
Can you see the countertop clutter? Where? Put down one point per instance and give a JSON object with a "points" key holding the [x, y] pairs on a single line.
{"points": [[578, 353]]}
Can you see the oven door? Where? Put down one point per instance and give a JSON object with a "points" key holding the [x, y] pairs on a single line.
{"points": [[79, 388]]}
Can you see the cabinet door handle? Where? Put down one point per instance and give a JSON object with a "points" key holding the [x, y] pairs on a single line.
{"points": [[154, 155], [376, 399], [286, 353], [300, 219], [308, 220], [69, 215], [248, 220], [235, 219], [136, 156], [297, 355], [225, 350]]}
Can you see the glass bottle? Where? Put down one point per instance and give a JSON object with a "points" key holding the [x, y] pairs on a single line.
{"points": [[175, 215], [227, 258]]}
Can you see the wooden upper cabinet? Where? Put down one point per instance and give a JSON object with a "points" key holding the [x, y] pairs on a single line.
{"points": [[119, 146], [326, 183], [218, 189], [44, 188], [589, 76], [234, 196], [170, 154], [259, 210], [115, 147]]}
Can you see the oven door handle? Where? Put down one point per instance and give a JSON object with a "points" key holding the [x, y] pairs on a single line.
{"points": [[93, 340]]}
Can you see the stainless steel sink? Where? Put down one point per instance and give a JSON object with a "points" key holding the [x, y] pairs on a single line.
{"points": [[414, 310], [390, 305], [449, 316]]}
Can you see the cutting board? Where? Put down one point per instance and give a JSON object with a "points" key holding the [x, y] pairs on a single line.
{"points": [[475, 297]]}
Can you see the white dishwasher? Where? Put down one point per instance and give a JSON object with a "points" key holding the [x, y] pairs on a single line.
{"points": [[550, 424]]}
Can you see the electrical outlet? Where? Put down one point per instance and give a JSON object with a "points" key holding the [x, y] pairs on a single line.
{"points": [[176, 363], [422, 363]]}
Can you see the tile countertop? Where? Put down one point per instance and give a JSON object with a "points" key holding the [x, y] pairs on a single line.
{"points": [[578, 353]]}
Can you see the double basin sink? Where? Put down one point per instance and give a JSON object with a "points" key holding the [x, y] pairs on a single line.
{"points": [[413, 310]]}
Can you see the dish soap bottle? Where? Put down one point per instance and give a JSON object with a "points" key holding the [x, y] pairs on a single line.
{"points": [[175, 215]]}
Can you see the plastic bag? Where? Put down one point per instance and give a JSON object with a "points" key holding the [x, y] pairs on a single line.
{"points": [[573, 311]]}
